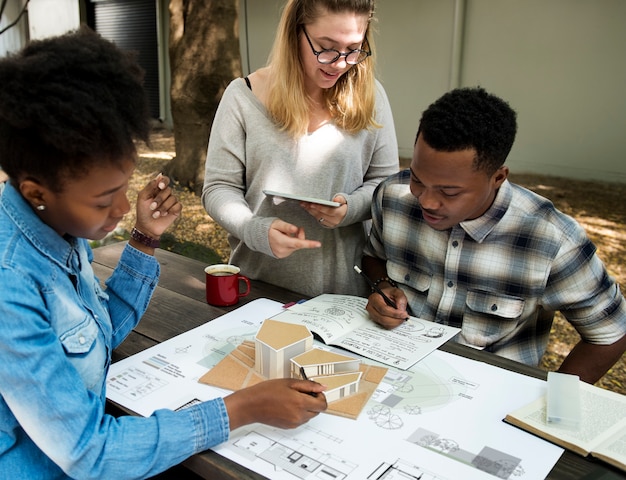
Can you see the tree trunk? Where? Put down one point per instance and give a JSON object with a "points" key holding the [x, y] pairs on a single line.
{"points": [[204, 58]]}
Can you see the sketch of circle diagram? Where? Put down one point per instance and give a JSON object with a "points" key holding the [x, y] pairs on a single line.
{"points": [[383, 417], [236, 339], [390, 422], [335, 311], [412, 326]]}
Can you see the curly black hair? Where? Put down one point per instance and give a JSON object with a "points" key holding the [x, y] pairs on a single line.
{"points": [[466, 118], [67, 103]]}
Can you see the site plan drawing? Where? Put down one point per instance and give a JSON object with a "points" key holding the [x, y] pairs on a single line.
{"points": [[439, 420]]}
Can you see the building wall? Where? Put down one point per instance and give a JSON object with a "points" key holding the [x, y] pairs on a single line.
{"points": [[15, 37], [48, 18], [559, 63], [140, 25], [132, 25]]}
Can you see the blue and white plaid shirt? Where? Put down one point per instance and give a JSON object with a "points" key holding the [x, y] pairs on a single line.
{"points": [[501, 276]]}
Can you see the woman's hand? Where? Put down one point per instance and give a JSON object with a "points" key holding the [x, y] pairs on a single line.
{"points": [[282, 403], [157, 207], [286, 238], [328, 217]]}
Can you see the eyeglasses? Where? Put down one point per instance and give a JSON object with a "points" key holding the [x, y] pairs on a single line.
{"points": [[330, 55]]}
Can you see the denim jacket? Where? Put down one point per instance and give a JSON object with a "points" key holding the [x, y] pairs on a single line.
{"points": [[58, 328]]}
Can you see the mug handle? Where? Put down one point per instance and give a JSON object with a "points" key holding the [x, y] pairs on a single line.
{"points": [[247, 282]]}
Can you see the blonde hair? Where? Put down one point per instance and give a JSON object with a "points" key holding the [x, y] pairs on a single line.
{"points": [[351, 101]]}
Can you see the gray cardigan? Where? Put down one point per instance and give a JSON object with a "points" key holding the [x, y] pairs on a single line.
{"points": [[247, 154]]}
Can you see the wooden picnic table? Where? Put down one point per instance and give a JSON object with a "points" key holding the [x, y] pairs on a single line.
{"points": [[179, 304]]}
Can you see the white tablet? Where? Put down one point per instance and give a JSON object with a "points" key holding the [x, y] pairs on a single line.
{"points": [[291, 196]]}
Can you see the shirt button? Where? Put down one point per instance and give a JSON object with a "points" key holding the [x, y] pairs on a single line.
{"points": [[407, 278], [494, 307], [81, 340], [455, 244], [450, 284]]}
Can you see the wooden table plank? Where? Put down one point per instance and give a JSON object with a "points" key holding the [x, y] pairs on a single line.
{"points": [[186, 276], [134, 343]]}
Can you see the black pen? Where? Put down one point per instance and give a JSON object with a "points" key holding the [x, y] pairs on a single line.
{"points": [[387, 300], [304, 377]]}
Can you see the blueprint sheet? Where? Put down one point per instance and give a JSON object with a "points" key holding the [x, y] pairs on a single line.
{"points": [[441, 419]]}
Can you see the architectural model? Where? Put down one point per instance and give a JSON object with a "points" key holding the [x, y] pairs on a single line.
{"points": [[283, 349], [276, 343]]}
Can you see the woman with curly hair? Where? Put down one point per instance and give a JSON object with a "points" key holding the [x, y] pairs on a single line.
{"points": [[70, 107]]}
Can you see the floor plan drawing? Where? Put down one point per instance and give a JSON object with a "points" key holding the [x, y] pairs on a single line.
{"points": [[134, 384], [402, 470], [300, 458]]}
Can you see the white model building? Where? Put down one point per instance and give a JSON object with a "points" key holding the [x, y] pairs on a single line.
{"points": [[276, 343], [339, 373], [286, 350]]}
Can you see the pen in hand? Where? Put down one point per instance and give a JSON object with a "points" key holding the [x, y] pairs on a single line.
{"points": [[304, 377], [387, 300]]}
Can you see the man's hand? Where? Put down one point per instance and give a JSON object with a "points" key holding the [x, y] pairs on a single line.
{"points": [[384, 315], [381, 313]]}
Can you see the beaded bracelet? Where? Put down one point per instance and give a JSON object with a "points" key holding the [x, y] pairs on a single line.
{"points": [[385, 279], [144, 239]]}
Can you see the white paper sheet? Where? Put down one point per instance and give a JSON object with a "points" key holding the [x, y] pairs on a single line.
{"points": [[342, 321], [441, 419]]}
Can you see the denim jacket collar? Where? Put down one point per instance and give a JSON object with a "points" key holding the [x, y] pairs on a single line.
{"points": [[43, 237]]}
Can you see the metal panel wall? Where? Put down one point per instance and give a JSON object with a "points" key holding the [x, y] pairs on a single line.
{"points": [[132, 25]]}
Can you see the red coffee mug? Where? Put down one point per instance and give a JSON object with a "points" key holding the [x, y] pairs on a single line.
{"points": [[222, 285]]}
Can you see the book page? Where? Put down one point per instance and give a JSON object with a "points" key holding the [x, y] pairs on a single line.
{"points": [[342, 321], [613, 451], [329, 316], [603, 415]]}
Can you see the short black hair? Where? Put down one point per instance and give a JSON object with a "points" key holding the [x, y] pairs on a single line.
{"points": [[67, 103], [466, 118]]}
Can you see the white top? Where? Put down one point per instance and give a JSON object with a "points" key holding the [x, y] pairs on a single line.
{"points": [[247, 154]]}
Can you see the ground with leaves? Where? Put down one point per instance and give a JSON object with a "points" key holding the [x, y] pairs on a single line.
{"points": [[598, 206]]}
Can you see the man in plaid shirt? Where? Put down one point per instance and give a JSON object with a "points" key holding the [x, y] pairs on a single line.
{"points": [[454, 242]]}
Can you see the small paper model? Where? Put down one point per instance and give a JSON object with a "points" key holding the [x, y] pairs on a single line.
{"points": [[280, 349], [276, 343], [339, 373]]}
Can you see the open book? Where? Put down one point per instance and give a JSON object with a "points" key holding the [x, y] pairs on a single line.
{"points": [[602, 430], [342, 321]]}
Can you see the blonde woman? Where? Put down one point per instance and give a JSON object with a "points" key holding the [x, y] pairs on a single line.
{"points": [[313, 122]]}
